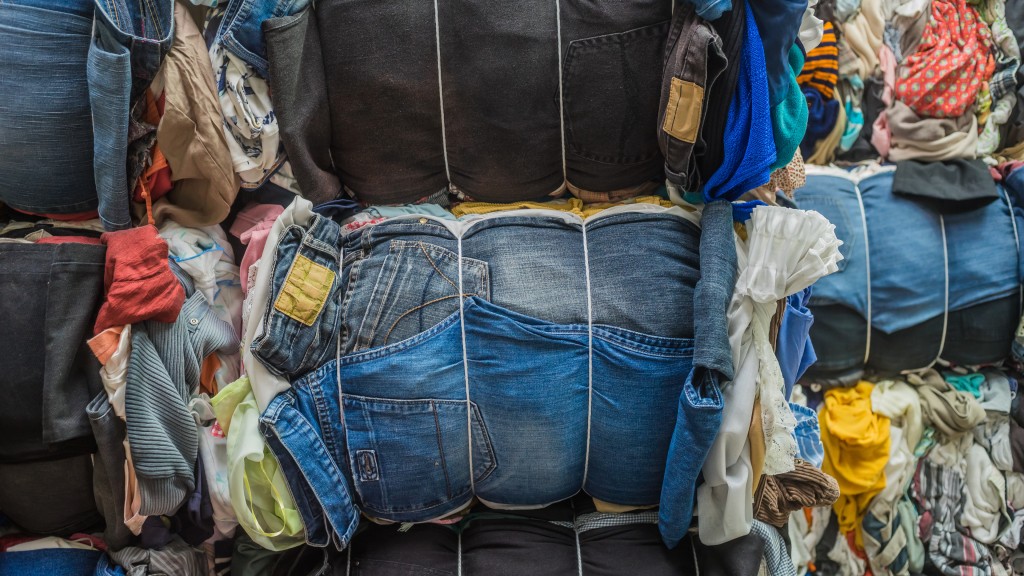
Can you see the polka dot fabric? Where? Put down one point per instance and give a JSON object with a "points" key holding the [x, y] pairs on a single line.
{"points": [[954, 60]]}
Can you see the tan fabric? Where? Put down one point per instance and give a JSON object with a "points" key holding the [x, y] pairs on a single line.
{"points": [[805, 487], [755, 436], [190, 133], [930, 139], [609, 508], [682, 116], [863, 34], [620, 195], [948, 410]]}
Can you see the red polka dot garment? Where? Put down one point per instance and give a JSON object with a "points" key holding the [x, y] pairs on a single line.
{"points": [[954, 60]]}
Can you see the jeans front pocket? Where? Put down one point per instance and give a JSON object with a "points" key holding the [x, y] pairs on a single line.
{"points": [[637, 382], [417, 287], [411, 459], [529, 378]]}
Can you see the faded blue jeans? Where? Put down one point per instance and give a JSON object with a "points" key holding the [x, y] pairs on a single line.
{"points": [[127, 50], [548, 362], [46, 166]]}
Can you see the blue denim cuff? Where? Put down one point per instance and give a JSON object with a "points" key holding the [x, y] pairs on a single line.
{"points": [[714, 290]]}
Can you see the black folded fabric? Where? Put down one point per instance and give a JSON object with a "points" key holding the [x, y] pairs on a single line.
{"points": [[948, 187]]}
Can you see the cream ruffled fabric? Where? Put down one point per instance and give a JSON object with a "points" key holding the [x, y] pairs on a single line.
{"points": [[786, 251]]}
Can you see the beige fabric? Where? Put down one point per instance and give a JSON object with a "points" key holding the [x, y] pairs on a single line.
{"points": [[863, 34], [930, 139], [190, 133]]}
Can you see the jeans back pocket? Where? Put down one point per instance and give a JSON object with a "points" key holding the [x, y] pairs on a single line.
{"points": [[406, 425], [417, 287], [302, 318], [612, 85], [637, 381], [410, 459], [529, 377]]}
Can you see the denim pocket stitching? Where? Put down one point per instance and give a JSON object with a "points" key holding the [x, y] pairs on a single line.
{"points": [[440, 259], [571, 65], [381, 351], [485, 446], [656, 346], [696, 400]]}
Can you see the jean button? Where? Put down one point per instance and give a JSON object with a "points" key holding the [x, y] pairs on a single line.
{"points": [[193, 321]]}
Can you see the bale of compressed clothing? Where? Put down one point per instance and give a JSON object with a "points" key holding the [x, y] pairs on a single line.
{"points": [[949, 289]]}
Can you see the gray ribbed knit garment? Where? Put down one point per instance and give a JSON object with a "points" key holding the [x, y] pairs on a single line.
{"points": [[163, 373]]}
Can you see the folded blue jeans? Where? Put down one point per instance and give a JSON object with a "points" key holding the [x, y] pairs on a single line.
{"points": [[126, 52], [504, 358]]}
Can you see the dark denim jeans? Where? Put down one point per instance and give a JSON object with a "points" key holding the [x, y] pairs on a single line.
{"points": [[49, 295], [498, 378], [979, 334], [501, 101], [554, 541]]}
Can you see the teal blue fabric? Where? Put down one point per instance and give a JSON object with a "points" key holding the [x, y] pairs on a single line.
{"points": [[789, 117]]}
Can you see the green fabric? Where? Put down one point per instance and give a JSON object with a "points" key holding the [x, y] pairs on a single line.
{"points": [[259, 491], [789, 117], [908, 523], [967, 383]]}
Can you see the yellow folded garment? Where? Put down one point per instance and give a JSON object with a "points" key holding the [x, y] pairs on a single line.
{"points": [[856, 444]]}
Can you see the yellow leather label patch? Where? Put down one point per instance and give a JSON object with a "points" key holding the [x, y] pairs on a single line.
{"points": [[682, 112], [305, 291]]}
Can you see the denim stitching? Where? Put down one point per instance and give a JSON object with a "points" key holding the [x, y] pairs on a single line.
{"points": [[365, 333], [486, 443], [440, 449], [420, 307], [312, 441]]}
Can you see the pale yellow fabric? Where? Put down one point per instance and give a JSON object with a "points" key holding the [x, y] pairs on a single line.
{"points": [[305, 290]]}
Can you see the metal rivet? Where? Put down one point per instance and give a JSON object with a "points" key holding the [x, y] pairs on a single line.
{"points": [[423, 220], [194, 321]]}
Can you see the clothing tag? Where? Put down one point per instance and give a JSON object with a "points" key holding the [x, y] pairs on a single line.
{"points": [[305, 291], [682, 112]]}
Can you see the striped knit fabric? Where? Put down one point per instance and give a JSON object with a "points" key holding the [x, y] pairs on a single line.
{"points": [[821, 68], [163, 373]]}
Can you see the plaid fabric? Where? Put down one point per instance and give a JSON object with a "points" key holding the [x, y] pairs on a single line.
{"points": [[1004, 81], [594, 520], [776, 555]]}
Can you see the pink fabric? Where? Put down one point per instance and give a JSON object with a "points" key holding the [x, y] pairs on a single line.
{"points": [[887, 61], [880, 136], [252, 227]]}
